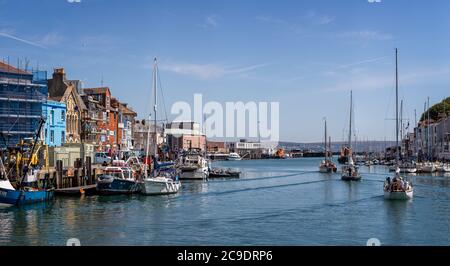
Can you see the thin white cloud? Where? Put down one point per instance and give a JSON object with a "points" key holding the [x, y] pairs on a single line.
{"points": [[211, 21], [271, 20], [362, 62], [366, 35], [206, 71], [383, 80], [51, 39], [318, 18], [13, 37]]}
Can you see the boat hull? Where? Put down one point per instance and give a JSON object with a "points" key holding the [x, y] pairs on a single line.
{"points": [[351, 178], [19, 197], [153, 186], [197, 174], [325, 169], [408, 170], [117, 186], [398, 195]]}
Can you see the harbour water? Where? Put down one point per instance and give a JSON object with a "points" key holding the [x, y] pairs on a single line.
{"points": [[275, 202]]}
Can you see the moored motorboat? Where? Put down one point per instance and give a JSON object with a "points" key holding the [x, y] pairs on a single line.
{"points": [[223, 173], [428, 167], [407, 167], [193, 166], [443, 168], [234, 157], [117, 180]]}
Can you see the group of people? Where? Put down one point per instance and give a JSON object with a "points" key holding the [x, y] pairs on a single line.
{"points": [[397, 183]]}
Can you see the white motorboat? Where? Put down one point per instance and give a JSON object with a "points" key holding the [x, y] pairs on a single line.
{"points": [[428, 167], [408, 168], [193, 166], [443, 168], [234, 157]]}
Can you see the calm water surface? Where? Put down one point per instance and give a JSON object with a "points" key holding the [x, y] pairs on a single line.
{"points": [[276, 202]]}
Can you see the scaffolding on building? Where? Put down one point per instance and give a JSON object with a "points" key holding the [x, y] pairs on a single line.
{"points": [[23, 96]]}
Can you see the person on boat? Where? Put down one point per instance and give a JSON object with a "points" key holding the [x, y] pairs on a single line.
{"points": [[388, 180]]}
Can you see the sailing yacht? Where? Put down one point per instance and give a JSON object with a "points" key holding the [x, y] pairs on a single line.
{"points": [[327, 165], [397, 188], [159, 182], [350, 172]]}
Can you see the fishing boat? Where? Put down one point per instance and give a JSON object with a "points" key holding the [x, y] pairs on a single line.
{"points": [[234, 157], [398, 188], [117, 180], [163, 179], [193, 166], [327, 165], [350, 171], [28, 191]]}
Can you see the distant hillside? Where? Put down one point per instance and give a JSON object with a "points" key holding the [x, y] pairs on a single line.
{"points": [[437, 109]]}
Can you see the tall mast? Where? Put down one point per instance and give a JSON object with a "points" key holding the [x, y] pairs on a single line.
{"points": [[329, 147], [396, 107], [350, 128], [428, 129], [325, 144], [401, 120], [155, 88]]}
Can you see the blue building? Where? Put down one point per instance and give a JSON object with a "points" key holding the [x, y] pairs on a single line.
{"points": [[22, 96], [54, 131]]}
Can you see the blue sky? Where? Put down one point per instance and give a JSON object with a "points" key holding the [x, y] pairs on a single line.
{"points": [[305, 54]]}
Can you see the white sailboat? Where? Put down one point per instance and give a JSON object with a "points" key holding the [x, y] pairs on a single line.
{"points": [[350, 171], [397, 188], [158, 183]]}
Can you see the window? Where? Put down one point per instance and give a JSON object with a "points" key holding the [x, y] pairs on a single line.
{"points": [[63, 137], [52, 114], [46, 133], [63, 115], [52, 136]]}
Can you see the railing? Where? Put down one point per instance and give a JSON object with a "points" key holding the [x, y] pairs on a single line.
{"points": [[22, 95], [20, 112]]}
